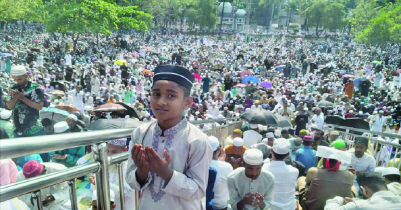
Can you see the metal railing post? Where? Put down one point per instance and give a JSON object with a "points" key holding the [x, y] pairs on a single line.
{"points": [[102, 177], [73, 195], [121, 184], [36, 195]]}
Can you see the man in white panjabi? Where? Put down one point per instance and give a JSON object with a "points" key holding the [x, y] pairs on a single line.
{"points": [[78, 97], [190, 160], [116, 147], [95, 82], [250, 187], [377, 122], [53, 196]]}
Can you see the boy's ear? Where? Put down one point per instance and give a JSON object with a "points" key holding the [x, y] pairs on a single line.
{"points": [[188, 102]]}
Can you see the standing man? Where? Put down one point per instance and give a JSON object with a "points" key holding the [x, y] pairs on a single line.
{"points": [[250, 187], [377, 122], [285, 176], [318, 118], [78, 98], [95, 85], [252, 136], [25, 100], [301, 121], [307, 155], [223, 169]]}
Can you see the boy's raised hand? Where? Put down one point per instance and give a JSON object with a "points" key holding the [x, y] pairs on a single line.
{"points": [[138, 156], [159, 165]]}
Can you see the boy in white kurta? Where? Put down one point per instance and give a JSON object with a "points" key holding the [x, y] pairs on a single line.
{"points": [[170, 158]]}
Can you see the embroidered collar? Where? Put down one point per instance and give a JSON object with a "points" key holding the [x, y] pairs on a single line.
{"points": [[171, 131]]}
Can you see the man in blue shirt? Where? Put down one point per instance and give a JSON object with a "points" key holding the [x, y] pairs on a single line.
{"points": [[307, 155], [210, 186]]}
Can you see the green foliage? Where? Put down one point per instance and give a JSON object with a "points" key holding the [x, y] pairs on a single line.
{"points": [[13, 10], [324, 14], [295, 30], [361, 15], [203, 13], [98, 16], [385, 27]]}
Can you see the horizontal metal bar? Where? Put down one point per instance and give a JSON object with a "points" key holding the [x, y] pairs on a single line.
{"points": [[12, 148], [366, 131], [196, 122], [119, 158], [16, 189]]}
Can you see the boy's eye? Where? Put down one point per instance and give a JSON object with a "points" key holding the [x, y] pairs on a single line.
{"points": [[171, 96], [155, 94]]}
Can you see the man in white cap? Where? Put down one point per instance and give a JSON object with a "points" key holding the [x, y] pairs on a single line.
{"points": [[234, 153], [377, 122], [223, 169], [252, 136], [67, 157], [25, 99], [285, 176], [250, 187], [78, 97], [115, 147], [72, 123], [213, 110], [392, 178], [148, 118], [5, 122]]}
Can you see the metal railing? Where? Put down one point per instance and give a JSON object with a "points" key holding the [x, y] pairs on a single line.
{"points": [[13, 148], [348, 134]]}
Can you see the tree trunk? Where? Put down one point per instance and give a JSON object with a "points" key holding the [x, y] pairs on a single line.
{"points": [[97, 39], [75, 41]]}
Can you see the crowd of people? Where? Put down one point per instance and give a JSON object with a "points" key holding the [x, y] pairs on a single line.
{"points": [[166, 80]]}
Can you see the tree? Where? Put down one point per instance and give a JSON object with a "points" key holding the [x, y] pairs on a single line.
{"points": [[361, 15], [325, 15], [98, 16], [291, 6], [385, 27], [12, 10], [207, 14]]}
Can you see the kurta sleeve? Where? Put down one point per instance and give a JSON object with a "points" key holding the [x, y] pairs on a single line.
{"points": [[337, 204], [192, 185], [72, 158], [4, 173], [269, 195], [131, 168], [233, 194]]}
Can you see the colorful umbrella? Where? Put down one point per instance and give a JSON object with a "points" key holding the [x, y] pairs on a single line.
{"points": [[266, 85], [69, 108], [348, 76], [109, 108], [135, 54], [54, 114], [36, 40], [197, 76], [57, 92], [121, 62], [147, 72], [148, 48], [279, 68], [241, 85], [358, 81], [331, 65], [377, 62], [251, 79], [245, 73], [299, 39], [399, 71]]}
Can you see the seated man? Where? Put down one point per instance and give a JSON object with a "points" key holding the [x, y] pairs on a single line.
{"points": [[373, 189], [53, 196], [250, 187], [392, 178], [235, 152]]}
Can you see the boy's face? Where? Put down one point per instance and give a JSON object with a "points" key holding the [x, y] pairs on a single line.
{"points": [[168, 101]]}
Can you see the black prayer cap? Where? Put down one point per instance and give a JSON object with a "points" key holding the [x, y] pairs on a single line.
{"points": [[177, 74]]}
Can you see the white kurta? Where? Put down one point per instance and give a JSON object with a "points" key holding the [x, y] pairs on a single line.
{"points": [[59, 191], [191, 156], [95, 82], [239, 185], [251, 137], [377, 123], [67, 59], [78, 99]]}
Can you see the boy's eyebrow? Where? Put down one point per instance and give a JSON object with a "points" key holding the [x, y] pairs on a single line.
{"points": [[168, 90]]}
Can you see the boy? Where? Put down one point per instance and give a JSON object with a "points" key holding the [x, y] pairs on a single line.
{"points": [[170, 158]]}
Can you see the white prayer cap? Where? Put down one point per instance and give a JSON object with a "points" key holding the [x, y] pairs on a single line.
{"points": [[147, 114], [269, 135], [237, 114], [199, 119], [281, 146], [351, 111], [375, 112], [390, 171], [253, 157], [75, 118], [18, 70], [61, 127], [265, 140], [381, 112], [112, 196], [5, 114], [253, 126], [197, 112], [238, 142], [119, 142], [360, 112], [214, 143], [225, 108], [126, 116]]}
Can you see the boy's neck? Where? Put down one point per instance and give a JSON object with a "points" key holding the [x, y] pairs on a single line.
{"points": [[167, 124]]}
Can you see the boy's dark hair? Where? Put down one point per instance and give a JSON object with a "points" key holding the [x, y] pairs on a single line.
{"points": [[46, 122], [373, 180], [307, 143], [279, 156], [187, 92], [393, 177], [332, 162], [362, 140]]}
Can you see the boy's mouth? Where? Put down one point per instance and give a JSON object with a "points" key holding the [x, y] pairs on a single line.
{"points": [[161, 110]]}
